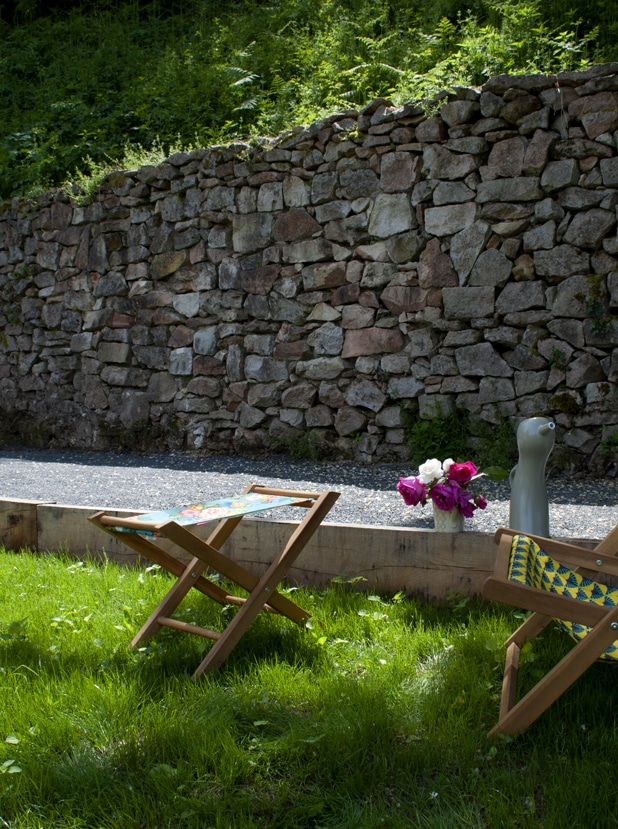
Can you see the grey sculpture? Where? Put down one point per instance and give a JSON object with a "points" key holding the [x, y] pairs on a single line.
{"points": [[529, 510]]}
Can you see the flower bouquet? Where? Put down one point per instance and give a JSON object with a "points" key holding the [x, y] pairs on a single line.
{"points": [[446, 484]]}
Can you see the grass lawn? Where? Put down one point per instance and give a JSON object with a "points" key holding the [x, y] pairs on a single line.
{"points": [[377, 719]]}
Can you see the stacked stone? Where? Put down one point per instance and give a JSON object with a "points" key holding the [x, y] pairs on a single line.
{"points": [[327, 284]]}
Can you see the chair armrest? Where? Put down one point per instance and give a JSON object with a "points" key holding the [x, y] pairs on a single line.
{"points": [[569, 554]]}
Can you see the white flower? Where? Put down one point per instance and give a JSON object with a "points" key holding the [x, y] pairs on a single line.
{"points": [[447, 465], [429, 471]]}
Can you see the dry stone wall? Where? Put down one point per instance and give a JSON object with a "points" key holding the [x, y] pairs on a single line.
{"points": [[325, 285]]}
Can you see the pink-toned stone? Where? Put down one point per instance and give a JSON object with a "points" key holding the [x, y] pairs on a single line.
{"points": [[402, 298], [259, 280], [295, 224], [298, 350], [436, 268], [362, 341]]}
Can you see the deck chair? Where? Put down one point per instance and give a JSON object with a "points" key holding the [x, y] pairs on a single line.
{"points": [[555, 581], [151, 534]]}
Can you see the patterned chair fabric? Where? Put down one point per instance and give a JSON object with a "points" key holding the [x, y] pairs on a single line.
{"points": [[531, 566]]}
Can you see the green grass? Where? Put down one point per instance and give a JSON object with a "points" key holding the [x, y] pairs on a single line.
{"points": [[377, 719]]}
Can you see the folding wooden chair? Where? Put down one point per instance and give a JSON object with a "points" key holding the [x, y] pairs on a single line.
{"points": [[554, 581], [145, 534]]}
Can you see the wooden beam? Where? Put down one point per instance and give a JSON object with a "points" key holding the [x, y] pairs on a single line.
{"points": [[419, 562]]}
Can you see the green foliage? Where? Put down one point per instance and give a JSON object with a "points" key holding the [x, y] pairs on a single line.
{"points": [[445, 436], [81, 83], [457, 435]]}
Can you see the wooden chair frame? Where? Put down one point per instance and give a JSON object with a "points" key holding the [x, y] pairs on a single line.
{"points": [[514, 716], [206, 554]]}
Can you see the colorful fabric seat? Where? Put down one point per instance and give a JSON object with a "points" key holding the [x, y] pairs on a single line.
{"points": [[530, 565]]}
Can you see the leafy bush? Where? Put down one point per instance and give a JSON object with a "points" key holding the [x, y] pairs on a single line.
{"points": [[81, 82]]}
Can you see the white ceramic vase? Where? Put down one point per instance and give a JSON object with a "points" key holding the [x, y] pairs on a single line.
{"points": [[447, 522]]}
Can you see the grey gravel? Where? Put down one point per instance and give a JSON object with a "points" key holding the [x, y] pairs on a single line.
{"points": [[578, 508]]}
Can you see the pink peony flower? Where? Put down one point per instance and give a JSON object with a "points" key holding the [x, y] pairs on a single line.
{"points": [[462, 472], [412, 491], [481, 502], [444, 496]]}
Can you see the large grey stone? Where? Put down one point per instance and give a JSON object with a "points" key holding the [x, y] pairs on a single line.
{"points": [[452, 192], [391, 214], [562, 261], [323, 187], [509, 190], [440, 163], [187, 304], [270, 196], [308, 250], [520, 296], [588, 229], [609, 171], [181, 361], [252, 231], [322, 368], [134, 407], [573, 296], [162, 387], [494, 389], [349, 421], [583, 370], [264, 369], [542, 237], [406, 247], [445, 221], [491, 268], [366, 394], [405, 387], [598, 113], [468, 303], [326, 340], [560, 174], [466, 247], [481, 360], [205, 340], [358, 183]]}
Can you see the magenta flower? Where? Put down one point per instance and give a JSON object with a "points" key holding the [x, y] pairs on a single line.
{"points": [[412, 491], [465, 502], [446, 485], [462, 472], [444, 496]]}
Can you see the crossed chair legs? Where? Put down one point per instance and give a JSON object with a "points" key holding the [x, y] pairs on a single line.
{"points": [[598, 615]]}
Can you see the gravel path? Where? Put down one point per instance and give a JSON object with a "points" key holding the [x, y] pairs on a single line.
{"points": [[578, 509]]}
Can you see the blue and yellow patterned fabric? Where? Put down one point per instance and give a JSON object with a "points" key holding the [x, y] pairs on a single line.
{"points": [[531, 566]]}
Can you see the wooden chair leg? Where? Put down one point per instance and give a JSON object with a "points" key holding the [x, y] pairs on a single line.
{"points": [[263, 591], [520, 716]]}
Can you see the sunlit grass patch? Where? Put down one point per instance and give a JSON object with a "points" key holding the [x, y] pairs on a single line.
{"points": [[375, 715]]}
